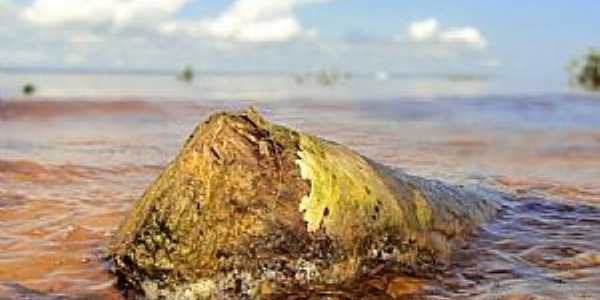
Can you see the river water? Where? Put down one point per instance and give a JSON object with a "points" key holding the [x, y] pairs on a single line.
{"points": [[73, 160]]}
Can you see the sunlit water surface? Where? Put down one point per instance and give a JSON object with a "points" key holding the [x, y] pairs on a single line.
{"points": [[72, 161]]}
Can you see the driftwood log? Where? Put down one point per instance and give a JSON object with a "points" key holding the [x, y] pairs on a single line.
{"points": [[249, 207]]}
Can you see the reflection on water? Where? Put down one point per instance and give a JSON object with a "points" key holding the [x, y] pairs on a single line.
{"points": [[536, 249], [70, 170]]}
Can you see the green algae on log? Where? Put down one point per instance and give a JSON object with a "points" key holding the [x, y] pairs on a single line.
{"points": [[249, 207]]}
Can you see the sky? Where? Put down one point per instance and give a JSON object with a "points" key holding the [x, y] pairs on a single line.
{"points": [[520, 40]]}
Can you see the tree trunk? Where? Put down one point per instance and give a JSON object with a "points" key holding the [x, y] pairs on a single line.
{"points": [[249, 207]]}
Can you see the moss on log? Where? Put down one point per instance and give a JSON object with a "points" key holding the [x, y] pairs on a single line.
{"points": [[249, 208]]}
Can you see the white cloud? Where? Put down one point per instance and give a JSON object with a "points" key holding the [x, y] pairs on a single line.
{"points": [[5, 4], [249, 21], [423, 30], [118, 13], [7, 8], [242, 21], [86, 37], [83, 38], [464, 35], [428, 30]]}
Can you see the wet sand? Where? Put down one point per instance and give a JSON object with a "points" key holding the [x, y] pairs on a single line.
{"points": [[70, 170]]}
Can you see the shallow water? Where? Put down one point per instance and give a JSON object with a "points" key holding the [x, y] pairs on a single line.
{"points": [[69, 171]]}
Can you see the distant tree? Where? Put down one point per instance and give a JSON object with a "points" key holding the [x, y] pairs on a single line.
{"points": [[28, 89], [586, 72], [187, 74], [326, 76]]}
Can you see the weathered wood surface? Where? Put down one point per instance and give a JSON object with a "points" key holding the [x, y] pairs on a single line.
{"points": [[249, 208]]}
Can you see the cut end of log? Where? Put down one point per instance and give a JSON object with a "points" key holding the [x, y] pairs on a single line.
{"points": [[248, 206]]}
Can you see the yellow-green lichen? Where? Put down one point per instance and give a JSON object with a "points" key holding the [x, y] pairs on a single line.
{"points": [[347, 199], [423, 210]]}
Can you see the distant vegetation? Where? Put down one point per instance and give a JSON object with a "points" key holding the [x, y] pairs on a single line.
{"points": [[28, 89], [585, 71], [324, 76], [187, 74]]}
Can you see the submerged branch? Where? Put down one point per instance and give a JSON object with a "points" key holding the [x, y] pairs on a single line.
{"points": [[250, 207]]}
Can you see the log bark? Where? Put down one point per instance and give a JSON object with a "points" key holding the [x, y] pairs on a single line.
{"points": [[249, 207]]}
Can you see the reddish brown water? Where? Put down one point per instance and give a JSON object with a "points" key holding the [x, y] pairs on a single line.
{"points": [[69, 171]]}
